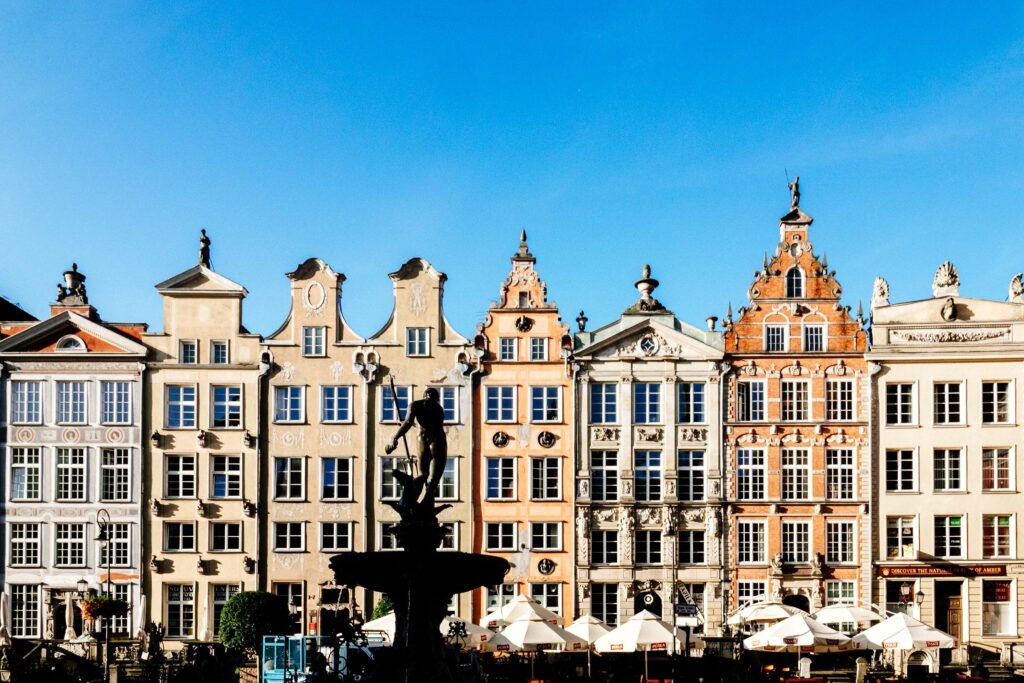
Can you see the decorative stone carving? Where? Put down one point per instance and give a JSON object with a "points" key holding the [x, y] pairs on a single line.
{"points": [[880, 293], [946, 281], [288, 371], [583, 534], [948, 311], [626, 527], [627, 487], [546, 439], [417, 303], [649, 516], [314, 299], [949, 336], [500, 439], [713, 522], [524, 324], [336, 368], [670, 487], [816, 601], [817, 563], [775, 566], [584, 488], [693, 434], [1017, 288], [605, 515], [604, 433], [694, 515], [650, 434], [776, 595], [646, 286]]}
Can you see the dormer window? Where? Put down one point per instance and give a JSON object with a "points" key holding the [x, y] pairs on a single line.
{"points": [[794, 283], [70, 344]]}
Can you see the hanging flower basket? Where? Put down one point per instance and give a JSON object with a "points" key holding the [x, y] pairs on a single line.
{"points": [[103, 606]]}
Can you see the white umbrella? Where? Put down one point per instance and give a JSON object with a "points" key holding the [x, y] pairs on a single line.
{"points": [[798, 633], [5, 619], [517, 608], [763, 611], [900, 632], [846, 614], [589, 628], [140, 622], [476, 636], [642, 631], [69, 617], [533, 634], [204, 625]]}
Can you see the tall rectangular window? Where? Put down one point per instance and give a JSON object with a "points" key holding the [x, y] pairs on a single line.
{"points": [[840, 542], [501, 478], [117, 402], [389, 488], [751, 592], [227, 407], [996, 536], [796, 542], [226, 471], [69, 542], [775, 338], [995, 402], [417, 341], [500, 536], [499, 596], [71, 474], [947, 467], [180, 610], [24, 611], [839, 474], [71, 402], [750, 546], [335, 404], [839, 400], [750, 401], [179, 537], [335, 536], [840, 593], [24, 548], [900, 538], [392, 410], [796, 474], [648, 547], [604, 547], [506, 348], [545, 404], [545, 479], [947, 402], [546, 535], [448, 487], [538, 348], [549, 595], [603, 403], [289, 479], [26, 402], [604, 602], [388, 537], [691, 476], [647, 403], [691, 547], [219, 353], [501, 404], [181, 476], [604, 476], [449, 397], [181, 407], [188, 352], [949, 540], [225, 537], [336, 481], [750, 474], [288, 404], [899, 404], [222, 592], [25, 473], [795, 400], [998, 608], [814, 338], [691, 402], [314, 341], [115, 474], [289, 536], [647, 475], [996, 469], [899, 470], [119, 546]]}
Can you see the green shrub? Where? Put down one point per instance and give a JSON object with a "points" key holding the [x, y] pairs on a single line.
{"points": [[249, 616], [383, 607]]}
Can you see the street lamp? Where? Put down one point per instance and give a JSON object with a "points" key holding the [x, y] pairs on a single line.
{"points": [[103, 522]]}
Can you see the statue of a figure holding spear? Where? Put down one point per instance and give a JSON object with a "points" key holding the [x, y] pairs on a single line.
{"points": [[433, 455]]}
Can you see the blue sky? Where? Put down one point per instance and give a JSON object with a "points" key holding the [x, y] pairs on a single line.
{"points": [[368, 133]]}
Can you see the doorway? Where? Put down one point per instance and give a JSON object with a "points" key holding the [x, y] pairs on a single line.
{"points": [[949, 612], [58, 608], [798, 601]]}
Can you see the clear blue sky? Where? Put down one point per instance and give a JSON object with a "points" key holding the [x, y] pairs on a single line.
{"points": [[366, 133]]}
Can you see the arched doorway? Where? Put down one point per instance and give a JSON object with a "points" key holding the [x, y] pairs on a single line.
{"points": [[647, 600], [798, 601]]}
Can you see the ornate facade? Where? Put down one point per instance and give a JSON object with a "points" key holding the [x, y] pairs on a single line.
{"points": [[796, 437], [648, 517]]}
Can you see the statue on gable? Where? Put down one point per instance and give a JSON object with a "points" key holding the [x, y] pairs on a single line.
{"points": [[794, 188], [204, 249]]}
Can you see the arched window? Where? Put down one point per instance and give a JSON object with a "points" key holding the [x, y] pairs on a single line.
{"points": [[794, 283], [70, 343]]}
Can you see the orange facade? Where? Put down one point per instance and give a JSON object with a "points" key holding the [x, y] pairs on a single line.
{"points": [[796, 434]]}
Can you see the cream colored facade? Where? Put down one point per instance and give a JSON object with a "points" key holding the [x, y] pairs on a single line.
{"points": [[317, 465], [947, 378], [523, 462], [201, 533]]}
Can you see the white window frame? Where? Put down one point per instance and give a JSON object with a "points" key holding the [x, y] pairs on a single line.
{"points": [[745, 409], [694, 535], [835, 589], [185, 605], [797, 532], [599, 402], [28, 402], [942, 417], [69, 543], [652, 412], [233, 404], [192, 344], [549, 595], [417, 342], [544, 461], [796, 474], [797, 407], [822, 328], [961, 469], [544, 393], [552, 542], [691, 475], [232, 468], [181, 474], [111, 407], [74, 475], [840, 470], [946, 526], [841, 544], [647, 545], [19, 458], [901, 469], [347, 485], [181, 525], [499, 393], [503, 463], [1011, 536], [751, 541], [901, 551], [505, 344], [216, 346], [289, 390], [608, 490], [289, 471], [120, 471], [1010, 403], [840, 401], [183, 406], [289, 547], [504, 544], [783, 329], [77, 392], [337, 390], [756, 478], [24, 610], [655, 476], [604, 547], [314, 341], [229, 537], [1011, 461], [402, 393], [538, 349], [449, 393], [335, 526]]}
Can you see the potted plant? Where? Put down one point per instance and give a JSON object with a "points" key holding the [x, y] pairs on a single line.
{"points": [[104, 606]]}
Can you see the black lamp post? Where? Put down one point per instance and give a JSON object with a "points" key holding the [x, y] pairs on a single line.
{"points": [[103, 522]]}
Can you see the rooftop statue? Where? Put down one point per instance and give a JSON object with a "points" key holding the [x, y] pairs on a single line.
{"points": [[794, 188]]}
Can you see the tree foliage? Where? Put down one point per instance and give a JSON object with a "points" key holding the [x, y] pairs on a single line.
{"points": [[383, 607], [249, 616]]}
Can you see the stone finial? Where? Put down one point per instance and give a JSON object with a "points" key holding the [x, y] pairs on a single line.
{"points": [[1017, 288], [524, 250], [947, 281], [880, 293], [72, 292], [204, 249], [646, 286]]}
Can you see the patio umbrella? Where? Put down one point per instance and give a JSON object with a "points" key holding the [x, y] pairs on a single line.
{"points": [[69, 617], [762, 612], [798, 633], [476, 636], [533, 634], [517, 608], [845, 614], [901, 632], [642, 631], [589, 628], [5, 619], [204, 625], [140, 622]]}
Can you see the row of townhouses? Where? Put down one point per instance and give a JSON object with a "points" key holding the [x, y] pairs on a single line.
{"points": [[793, 452]]}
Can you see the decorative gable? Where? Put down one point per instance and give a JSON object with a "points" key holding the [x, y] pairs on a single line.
{"points": [[72, 334]]}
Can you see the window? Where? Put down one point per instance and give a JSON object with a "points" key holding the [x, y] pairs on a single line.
{"points": [[646, 403], [501, 478], [226, 471], [840, 542], [227, 407], [998, 605], [336, 483], [417, 341], [647, 475], [449, 403], [119, 623], [314, 341], [188, 352], [181, 476], [996, 469], [814, 338], [691, 402], [70, 474], [750, 474], [795, 400], [179, 537], [222, 592], [335, 536], [501, 404], [899, 404], [25, 544], [604, 602], [289, 536], [288, 404], [392, 411], [219, 353], [500, 536], [996, 536], [995, 402], [181, 407], [549, 595], [604, 476], [794, 283], [69, 540], [750, 548], [70, 402], [180, 610], [225, 536], [750, 397], [648, 547], [449, 485], [115, 474], [24, 611], [25, 473], [949, 536], [899, 470], [947, 467], [119, 546], [604, 547], [545, 479], [796, 474], [900, 539], [691, 547], [947, 402], [500, 595], [775, 338], [26, 403], [289, 479], [116, 402], [389, 489], [506, 348], [603, 403], [545, 535], [388, 537], [796, 542], [839, 475], [538, 348], [545, 404], [335, 404], [839, 400], [691, 476], [899, 596], [292, 595], [840, 593], [449, 536], [750, 592]]}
